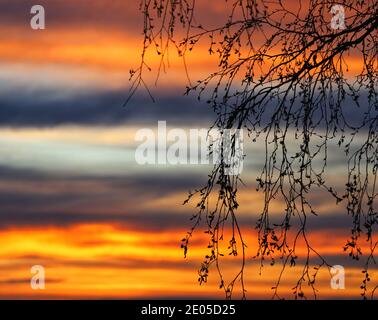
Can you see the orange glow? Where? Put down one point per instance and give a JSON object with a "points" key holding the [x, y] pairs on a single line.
{"points": [[113, 53], [98, 260]]}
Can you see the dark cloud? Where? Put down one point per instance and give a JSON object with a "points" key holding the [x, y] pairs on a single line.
{"points": [[10, 200], [143, 221], [148, 220], [117, 14], [119, 262], [55, 199], [13, 174], [98, 108], [166, 182], [121, 200], [40, 108], [114, 199], [16, 281]]}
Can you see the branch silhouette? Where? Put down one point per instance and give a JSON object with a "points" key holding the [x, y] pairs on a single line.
{"points": [[282, 76]]}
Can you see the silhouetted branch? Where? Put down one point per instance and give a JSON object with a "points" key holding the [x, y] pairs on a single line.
{"points": [[282, 76]]}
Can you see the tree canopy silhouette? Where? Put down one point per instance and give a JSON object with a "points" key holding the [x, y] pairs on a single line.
{"points": [[283, 75]]}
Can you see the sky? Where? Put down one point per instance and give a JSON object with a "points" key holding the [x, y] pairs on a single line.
{"points": [[72, 197]]}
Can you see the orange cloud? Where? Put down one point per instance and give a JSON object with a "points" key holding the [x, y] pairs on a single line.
{"points": [[97, 260]]}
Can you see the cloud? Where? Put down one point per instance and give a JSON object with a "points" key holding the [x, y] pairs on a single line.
{"points": [[52, 106], [117, 15], [73, 14], [17, 281], [40, 109], [142, 221], [31, 197], [148, 221], [144, 201]]}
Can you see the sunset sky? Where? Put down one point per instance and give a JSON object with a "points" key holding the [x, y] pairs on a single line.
{"points": [[72, 197]]}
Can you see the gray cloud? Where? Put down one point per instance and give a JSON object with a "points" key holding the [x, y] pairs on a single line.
{"points": [[97, 108], [43, 107], [117, 13], [55, 199]]}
